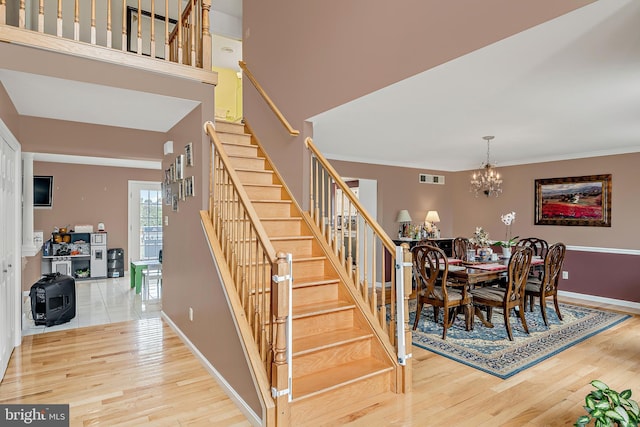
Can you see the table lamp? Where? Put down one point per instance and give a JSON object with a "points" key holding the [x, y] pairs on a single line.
{"points": [[431, 218], [404, 219]]}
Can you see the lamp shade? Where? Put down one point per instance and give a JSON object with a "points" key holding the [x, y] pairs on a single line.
{"points": [[432, 216], [403, 216]]}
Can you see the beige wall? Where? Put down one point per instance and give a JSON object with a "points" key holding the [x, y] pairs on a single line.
{"points": [[309, 58], [518, 196], [461, 212], [8, 113]]}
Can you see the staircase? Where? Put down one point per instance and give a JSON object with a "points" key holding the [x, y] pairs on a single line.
{"points": [[337, 359]]}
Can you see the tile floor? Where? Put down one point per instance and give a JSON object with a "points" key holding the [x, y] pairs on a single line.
{"points": [[100, 301]]}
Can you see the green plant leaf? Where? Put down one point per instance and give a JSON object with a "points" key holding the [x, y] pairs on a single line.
{"points": [[590, 401], [597, 394], [634, 407], [604, 405], [625, 394], [614, 415], [597, 413], [623, 413], [613, 396], [582, 421], [599, 385]]}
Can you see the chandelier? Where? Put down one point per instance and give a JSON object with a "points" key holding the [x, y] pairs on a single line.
{"points": [[486, 180]]}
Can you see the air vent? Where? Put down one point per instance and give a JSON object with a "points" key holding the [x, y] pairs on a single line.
{"points": [[425, 178]]}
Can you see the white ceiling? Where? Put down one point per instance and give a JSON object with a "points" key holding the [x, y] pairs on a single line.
{"points": [[568, 88]]}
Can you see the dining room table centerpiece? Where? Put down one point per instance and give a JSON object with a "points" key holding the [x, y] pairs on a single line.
{"points": [[480, 239]]}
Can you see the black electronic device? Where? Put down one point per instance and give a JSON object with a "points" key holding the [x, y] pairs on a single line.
{"points": [[53, 299]]}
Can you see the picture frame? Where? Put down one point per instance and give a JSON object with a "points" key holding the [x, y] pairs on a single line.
{"points": [[145, 22], [179, 164], [189, 186], [174, 202], [188, 153], [574, 201]]}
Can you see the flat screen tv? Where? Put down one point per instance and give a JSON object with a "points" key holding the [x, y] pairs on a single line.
{"points": [[42, 191]]}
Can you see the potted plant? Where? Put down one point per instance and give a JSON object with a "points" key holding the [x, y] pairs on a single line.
{"points": [[609, 408], [509, 241]]}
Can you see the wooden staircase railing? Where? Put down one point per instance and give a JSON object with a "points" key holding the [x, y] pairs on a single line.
{"points": [[268, 100], [380, 271], [142, 28], [262, 278]]}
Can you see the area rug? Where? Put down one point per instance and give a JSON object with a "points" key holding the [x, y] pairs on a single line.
{"points": [[489, 349]]}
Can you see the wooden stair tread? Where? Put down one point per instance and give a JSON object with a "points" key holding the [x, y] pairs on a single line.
{"points": [[306, 310], [329, 379], [238, 144], [281, 238], [264, 185], [238, 156], [270, 172], [311, 343], [314, 281], [286, 201]]}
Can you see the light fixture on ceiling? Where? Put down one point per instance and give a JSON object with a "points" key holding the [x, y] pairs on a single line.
{"points": [[486, 180]]}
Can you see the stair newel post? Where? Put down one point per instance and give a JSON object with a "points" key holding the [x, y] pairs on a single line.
{"points": [[280, 307], [407, 285]]}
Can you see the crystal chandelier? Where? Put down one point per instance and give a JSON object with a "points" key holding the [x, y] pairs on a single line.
{"points": [[486, 180]]}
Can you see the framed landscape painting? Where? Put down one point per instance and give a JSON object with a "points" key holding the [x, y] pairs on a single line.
{"points": [[578, 200]]}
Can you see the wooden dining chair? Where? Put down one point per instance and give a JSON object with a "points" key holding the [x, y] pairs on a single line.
{"points": [[539, 246], [430, 270], [512, 295], [460, 247], [548, 285]]}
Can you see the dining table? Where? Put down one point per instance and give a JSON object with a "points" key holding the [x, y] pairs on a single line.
{"points": [[478, 273]]}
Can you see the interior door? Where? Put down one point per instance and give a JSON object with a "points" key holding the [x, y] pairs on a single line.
{"points": [[145, 220], [7, 252]]}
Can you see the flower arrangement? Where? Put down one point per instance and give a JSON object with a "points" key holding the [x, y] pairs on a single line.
{"points": [[480, 238], [507, 219]]}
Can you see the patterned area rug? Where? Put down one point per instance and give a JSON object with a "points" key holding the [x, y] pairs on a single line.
{"points": [[490, 349]]}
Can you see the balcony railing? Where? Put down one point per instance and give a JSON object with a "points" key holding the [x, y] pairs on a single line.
{"points": [[175, 33]]}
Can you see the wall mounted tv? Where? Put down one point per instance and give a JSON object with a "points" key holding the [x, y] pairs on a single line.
{"points": [[42, 191]]}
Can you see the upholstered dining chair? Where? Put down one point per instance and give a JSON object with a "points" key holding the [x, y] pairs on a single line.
{"points": [[430, 269], [547, 286], [460, 247], [512, 295]]}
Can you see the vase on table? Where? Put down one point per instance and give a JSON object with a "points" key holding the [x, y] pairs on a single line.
{"points": [[506, 252]]}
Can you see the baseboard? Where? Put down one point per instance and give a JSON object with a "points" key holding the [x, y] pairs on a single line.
{"points": [[592, 298], [253, 418]]}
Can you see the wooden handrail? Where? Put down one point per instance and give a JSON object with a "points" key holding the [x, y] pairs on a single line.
{"points": [[388, 243], [210, 130], [268, 100]]}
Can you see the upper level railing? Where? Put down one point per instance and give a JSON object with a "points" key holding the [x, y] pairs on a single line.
{"points": [[381, 272], [181, 36], [268, 100], [260, 277]]}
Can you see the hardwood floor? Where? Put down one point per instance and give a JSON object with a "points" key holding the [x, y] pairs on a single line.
{"points": [[140, 373], [129, 373]]}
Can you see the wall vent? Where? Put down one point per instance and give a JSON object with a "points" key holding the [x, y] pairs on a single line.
{"points": [[426, 178]]}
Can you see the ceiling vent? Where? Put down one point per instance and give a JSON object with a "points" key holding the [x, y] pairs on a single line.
{"points": [[425, 178]]}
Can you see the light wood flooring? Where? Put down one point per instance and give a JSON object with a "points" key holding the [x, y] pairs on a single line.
{"points": [[140, 373]]}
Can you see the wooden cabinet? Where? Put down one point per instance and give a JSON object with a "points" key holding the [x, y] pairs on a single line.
{"points": [[445, 243]]}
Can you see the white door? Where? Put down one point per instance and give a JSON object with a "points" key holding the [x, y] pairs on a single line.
{"points": [[145, 220], [7, 252]]}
